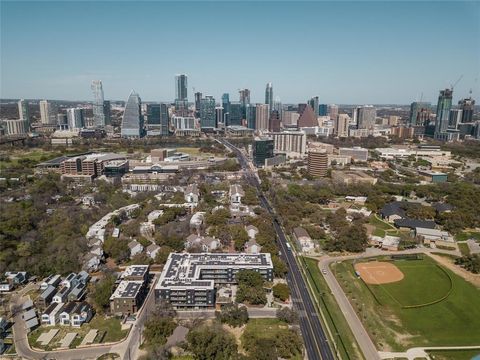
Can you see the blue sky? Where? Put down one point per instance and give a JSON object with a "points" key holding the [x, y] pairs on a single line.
{"points": [[344, 52]]}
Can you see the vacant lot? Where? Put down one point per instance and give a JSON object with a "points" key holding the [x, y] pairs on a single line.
{"points": [[452, 321], [454, 354]]}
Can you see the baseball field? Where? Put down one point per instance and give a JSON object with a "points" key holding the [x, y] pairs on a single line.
{"points": [[407, 303]]}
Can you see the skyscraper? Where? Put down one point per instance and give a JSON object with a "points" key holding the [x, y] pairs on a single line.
{"points": [[323, 110], [23, 112], [226, 108], [236, 114], [366, 117], [444, 105], [467, 106], [48, 112], [157, 119], [274, 121], [419, 113], [313, 102], [251, 116], [132, 121], [198, 98], [269, 96], [101, 115], [454, 118], [181, 87], [219, 115], [207, 112], [261, 117], [341, 125], [75, 118], [153, 114], [317, 162], [244, 95], [333, 112], [262, 150]]}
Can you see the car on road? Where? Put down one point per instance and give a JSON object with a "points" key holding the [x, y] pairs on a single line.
{"points": [[324, 271]]}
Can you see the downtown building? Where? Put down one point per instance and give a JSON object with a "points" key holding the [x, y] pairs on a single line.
{"points": [[291, 143], [364, 117], [48, 112], [181, 95], [341, 125], [317, 162], [75, 119], [101, 108], [24, 112], [262, 117], [269, 96], [191, 280], [132, 120], [158, 120], [207, 113], [263, 149]]}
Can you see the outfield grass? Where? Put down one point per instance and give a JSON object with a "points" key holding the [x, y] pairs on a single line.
{"points": [[465, 235], [452, 322], [337, 323], [454, 354]]}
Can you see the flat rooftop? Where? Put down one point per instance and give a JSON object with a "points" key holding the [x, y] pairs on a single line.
{"points": [[184, 269], [127, 289], [135, 270]]}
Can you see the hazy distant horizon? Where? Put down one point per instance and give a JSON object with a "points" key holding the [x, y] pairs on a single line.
{"points": [[345, 52]]}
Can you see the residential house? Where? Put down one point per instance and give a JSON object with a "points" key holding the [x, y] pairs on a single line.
{"points": [[192, 194], [53, 280], [152, 250], [97, 250], [303, 239], [412, 224], [16, 277], [252, 231], [135, 248], [91, 262], [252, 247], [6, 287], [51, 314], [65, 315], [78, 292], [83, 313], [67, 281], [441, 207], [202, 243], [393, 211], [45, 298], [197, 220], [236, 194], [61, 296]]}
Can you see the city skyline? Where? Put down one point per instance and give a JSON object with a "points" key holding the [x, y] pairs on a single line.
{"points": [[355, 63]]}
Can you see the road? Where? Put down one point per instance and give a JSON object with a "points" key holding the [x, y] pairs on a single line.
{"points": [[127, 348], [314, 336]]}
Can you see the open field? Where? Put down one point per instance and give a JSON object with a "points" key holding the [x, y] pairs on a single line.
{"points": [[454, 354], [109, 330], [453, 321], [464, 249], [465, 235], [346, 342]]}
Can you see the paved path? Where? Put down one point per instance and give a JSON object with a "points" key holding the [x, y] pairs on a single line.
{"points": [[422, 352]]}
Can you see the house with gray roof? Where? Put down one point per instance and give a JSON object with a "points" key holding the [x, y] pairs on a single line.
{"points": [[45, 298]]}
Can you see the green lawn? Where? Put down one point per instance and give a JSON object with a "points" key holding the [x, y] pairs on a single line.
{"points": [[382, 228], [346, 342], [464, 249], [453, 321], [465, 235], [454, 354]]}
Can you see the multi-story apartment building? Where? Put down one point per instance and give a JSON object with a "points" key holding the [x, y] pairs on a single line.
{"points": [[293, 143]]}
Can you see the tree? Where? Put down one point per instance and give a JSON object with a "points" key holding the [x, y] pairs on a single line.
{"points": [[102, 291], [211, 343], [233, 315], [240, 236], [116, 248], [281, 291], [288, 315], [217, 217], [157, 330], [162, 255], [250, 278], [250, 288], [280, 269], [470, 263]]}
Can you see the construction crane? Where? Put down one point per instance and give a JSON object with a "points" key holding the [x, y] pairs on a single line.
{"points": [[456, 82]]}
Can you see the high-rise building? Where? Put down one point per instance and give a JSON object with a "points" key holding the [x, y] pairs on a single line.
{"points": [[236, 114], [23, 112], [341, 125], [269, 96], [323, 110], [226, 107], [290, 118], [454, 118], [181, 107], [307, 118], [48, 112], [132, 121], [181, 87], [302, 107], [277, 105], [366, 117], [75, 118], [467, 106], [251, 116], [101, 111], [262, 117], [62, 120], [333, 112], [183, 122], [293, 143], [262, 150], [219, 115], [317, 162], [198, 98], [207, 112], [274, 121], [244, 96], [444, 105], [419, 113], [153, 114], [313, 102], [158, 119], [107, 112]]}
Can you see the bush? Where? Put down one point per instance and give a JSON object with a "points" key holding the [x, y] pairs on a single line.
{"points": [[233, 315], [281, 291]]}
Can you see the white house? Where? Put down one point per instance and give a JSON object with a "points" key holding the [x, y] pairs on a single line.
{"points": [[51, 314], [251, 247], [236, 194], [82, 314], [205, 243], [66, 313], [61, 295], [135, 248], [192, 194], [152, 250], [91, 262], [96, 250]]}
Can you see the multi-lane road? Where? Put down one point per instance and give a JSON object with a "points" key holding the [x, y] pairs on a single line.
{"points": [[314, 335]]}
